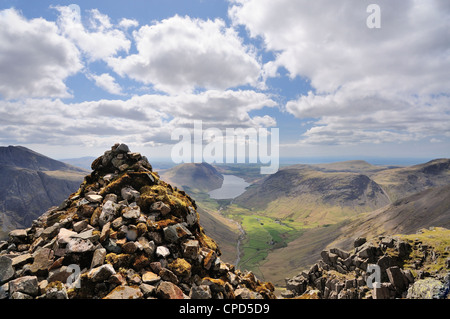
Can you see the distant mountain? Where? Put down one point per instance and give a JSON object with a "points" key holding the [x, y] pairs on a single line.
{"points": [[301, 192], [195, 176], [30, 184], [82, 162]]}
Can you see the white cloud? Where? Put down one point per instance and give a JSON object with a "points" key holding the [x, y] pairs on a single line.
{"points": [[388, 84], [146, 119], [181, 54], [34, 58], [99, 40], [128, 23], [107, 82]]}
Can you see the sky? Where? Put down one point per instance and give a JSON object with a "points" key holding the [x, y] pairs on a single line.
{"points": [[339, 79]]}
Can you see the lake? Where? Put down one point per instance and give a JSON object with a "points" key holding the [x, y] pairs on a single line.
{"points": [[232, 187]]}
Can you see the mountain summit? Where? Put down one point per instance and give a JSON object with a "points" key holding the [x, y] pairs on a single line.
{"points": [[124, 234]]}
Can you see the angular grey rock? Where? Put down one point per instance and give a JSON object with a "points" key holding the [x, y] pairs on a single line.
{"points": [[191, 217], [94, 198], [160, 207], [162, 251], [342, 254], [148, 247], [130, 194], [296, 286], [111, 246], [200, 292], [4, 291], [101, 273], [6, 269], [98, 258], [81, 225], [56, 293], [20, 295], [191, 249], [27, 285], [397, 278], [64, 235], [43, 259], [147, 289], [51, 231], [122, 148], [18, 234], [125, 292], [131, 212], [175, 232], [366, 251], [403, 249], [428, 288], [245, 293], [78, 245], [359, 241], [381, 292], [108, 213], [329, 258]]}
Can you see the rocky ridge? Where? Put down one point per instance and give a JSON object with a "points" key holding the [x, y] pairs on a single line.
{"points": [[407, 268], [125, 234]]}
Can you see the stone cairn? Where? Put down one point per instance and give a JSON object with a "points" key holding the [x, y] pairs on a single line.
{"points": [[125, 234], [344, 275]]}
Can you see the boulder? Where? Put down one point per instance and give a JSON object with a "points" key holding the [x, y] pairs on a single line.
{"points": [[397, 278], [200, 292], [428, 288], [101, 273], [168, 290], [176, 232], [125, 292], [6, 269], [27, 285]]}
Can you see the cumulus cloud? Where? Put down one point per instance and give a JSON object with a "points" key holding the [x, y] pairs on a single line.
{"points": [[141, 119], [181, 54], [128, 23], [34, 58], [106, 82], [99, 39], [387, 84]]}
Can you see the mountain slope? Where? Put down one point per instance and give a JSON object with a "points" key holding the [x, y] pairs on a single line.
{"points": [[30, 184], [406, 181], [304, 194], [196, 176], [429, 208]]}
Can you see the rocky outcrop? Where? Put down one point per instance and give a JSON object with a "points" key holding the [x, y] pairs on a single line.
{"points": [[125, 234], [384, 268]]}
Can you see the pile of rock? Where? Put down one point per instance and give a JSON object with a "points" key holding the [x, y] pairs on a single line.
{"points": [[124, 234], [373, 270]]}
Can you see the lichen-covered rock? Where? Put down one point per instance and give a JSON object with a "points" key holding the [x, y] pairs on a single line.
{"points": [[124, 234], [428, 288]]}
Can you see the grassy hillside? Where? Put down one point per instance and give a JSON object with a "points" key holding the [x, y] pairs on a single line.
{"points": [[313, 197]]}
